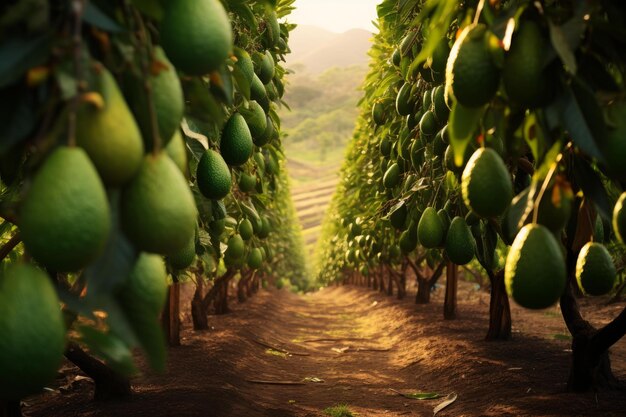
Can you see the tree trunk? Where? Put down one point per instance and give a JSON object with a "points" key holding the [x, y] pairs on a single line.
{"points": [[381, 284], [221, 300], [422, 296], [399, 279], [402, 287], [437, 276], [591, 366], [198, 311], [242, 286], [424, 285], [499, 309], [109, 384], [256, 284], [423, 291], [376, 279], [171, 315], [241, 291], [249, 287], [10, 409], [452, 277], [217, 295]]}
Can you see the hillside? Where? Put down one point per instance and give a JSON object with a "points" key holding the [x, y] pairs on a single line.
{"points": [[323, 91], [316, 50]]}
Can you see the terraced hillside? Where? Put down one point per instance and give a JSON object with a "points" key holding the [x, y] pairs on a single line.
{"points": [[312, 191]]}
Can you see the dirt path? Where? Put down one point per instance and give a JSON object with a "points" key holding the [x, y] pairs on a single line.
{"points": [[357, 345]]}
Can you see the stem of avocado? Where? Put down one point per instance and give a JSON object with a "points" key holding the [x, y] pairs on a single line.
{"points": [[78, 8]]}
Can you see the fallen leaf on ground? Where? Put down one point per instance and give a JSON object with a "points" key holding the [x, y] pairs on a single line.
{"points": [[313, 379], [449, 400], [419, 395], [341, 350]]}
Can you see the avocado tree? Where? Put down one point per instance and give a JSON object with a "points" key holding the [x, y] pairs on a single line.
{"points": [[493, 131], [140, 142]]}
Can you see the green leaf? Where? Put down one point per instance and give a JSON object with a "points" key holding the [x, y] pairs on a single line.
{"points": [[396, 207], [203, 204], [548, 161], [591, 184], [438, 27], [138, 327], [385, 9], [250, 210], [222, 85], [219, 210], [206, 108], [562, 47], [533, 136], [151, 338], [422, 396], [486, 238], [17, 55], [574, 120], [66, 81], [197, 149], [591, 110], [110, 270], [567, 37], [96, 17], [150, 8], [247, 15], [463, 123], [110, 348]]}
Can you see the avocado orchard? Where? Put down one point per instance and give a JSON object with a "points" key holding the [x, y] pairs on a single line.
{"points": [[491, 131], [140, 147]]}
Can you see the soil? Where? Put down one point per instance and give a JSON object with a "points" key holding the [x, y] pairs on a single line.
{"points": [[354, 346]]}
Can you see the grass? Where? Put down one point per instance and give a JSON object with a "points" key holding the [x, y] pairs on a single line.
{"points": [[341, 410]]}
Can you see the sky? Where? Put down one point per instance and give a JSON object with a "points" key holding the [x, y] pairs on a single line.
{"points": [[335, 15]]}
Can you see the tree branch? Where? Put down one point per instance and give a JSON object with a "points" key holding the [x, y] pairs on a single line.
{"points": [[415, 269], [609, 334], [438, 271], [109, 384], [77, 10], [8, 215], [476, 275], [393, 271], [206, 301], [9, 246], [574, 321]]}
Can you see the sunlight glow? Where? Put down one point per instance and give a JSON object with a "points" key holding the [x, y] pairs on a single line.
{"points": [[336, 15]]}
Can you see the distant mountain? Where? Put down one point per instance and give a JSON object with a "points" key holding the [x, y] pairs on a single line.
{"points": [[315, 49]]}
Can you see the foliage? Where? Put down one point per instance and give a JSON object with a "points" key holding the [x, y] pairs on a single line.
{"points": [[559, 143], [323, 110], [48, 52]]}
